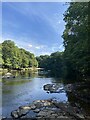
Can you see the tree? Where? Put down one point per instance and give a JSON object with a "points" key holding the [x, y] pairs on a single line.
{"points": [[8, 53], [43, 61], [1, 60], [76, 54], [54, 63], [15, 58]]}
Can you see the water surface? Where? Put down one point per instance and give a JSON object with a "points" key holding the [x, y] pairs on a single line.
{"points": [[26, 88]]}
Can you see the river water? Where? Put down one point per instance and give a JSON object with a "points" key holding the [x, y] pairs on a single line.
{"points": [[27, 87]]}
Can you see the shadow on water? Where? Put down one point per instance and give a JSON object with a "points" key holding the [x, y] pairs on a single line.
{"points": [[80, 97], [74, 101]]}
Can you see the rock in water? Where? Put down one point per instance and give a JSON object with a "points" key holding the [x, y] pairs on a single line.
{"points": [[53, 88], [14, 114]]}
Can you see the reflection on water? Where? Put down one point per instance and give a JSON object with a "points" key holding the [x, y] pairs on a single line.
{"points": [[27, 87]]}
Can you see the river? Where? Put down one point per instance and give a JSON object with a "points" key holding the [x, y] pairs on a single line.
{"points": [[26, 87]]}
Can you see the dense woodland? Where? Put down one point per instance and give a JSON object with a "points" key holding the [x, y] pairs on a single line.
{"points": [[16, 58], [74, 62]]}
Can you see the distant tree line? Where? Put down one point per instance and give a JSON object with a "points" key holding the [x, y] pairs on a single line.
{"points": [[52, 63], [16, 58], [75, 60]]}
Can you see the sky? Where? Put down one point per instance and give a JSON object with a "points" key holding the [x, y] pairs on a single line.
{"points": [[34, 26]]}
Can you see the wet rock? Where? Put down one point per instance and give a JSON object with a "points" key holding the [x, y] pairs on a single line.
{"points": [[39, 105], [22, 112], [42, 103], [48, 87], [8, 75], [45, 113], [19, 112], [25, 107], [37, 110], [14, 114], [47, 103], [37, 101], [31, 114], [53, 88], [47, 109], [33, 107]]}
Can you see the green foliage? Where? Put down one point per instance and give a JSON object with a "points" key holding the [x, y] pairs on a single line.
{"points": [[1, 60], [54, 63], [43, 61], [76, 55], [75, 61], [15, 58]]}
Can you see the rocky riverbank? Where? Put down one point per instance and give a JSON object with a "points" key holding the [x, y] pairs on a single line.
{"points": [[51, 109], [48, 109]]}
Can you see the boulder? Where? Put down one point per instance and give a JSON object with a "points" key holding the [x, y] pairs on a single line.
{"points": [[8, 75], [53, 88]]}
